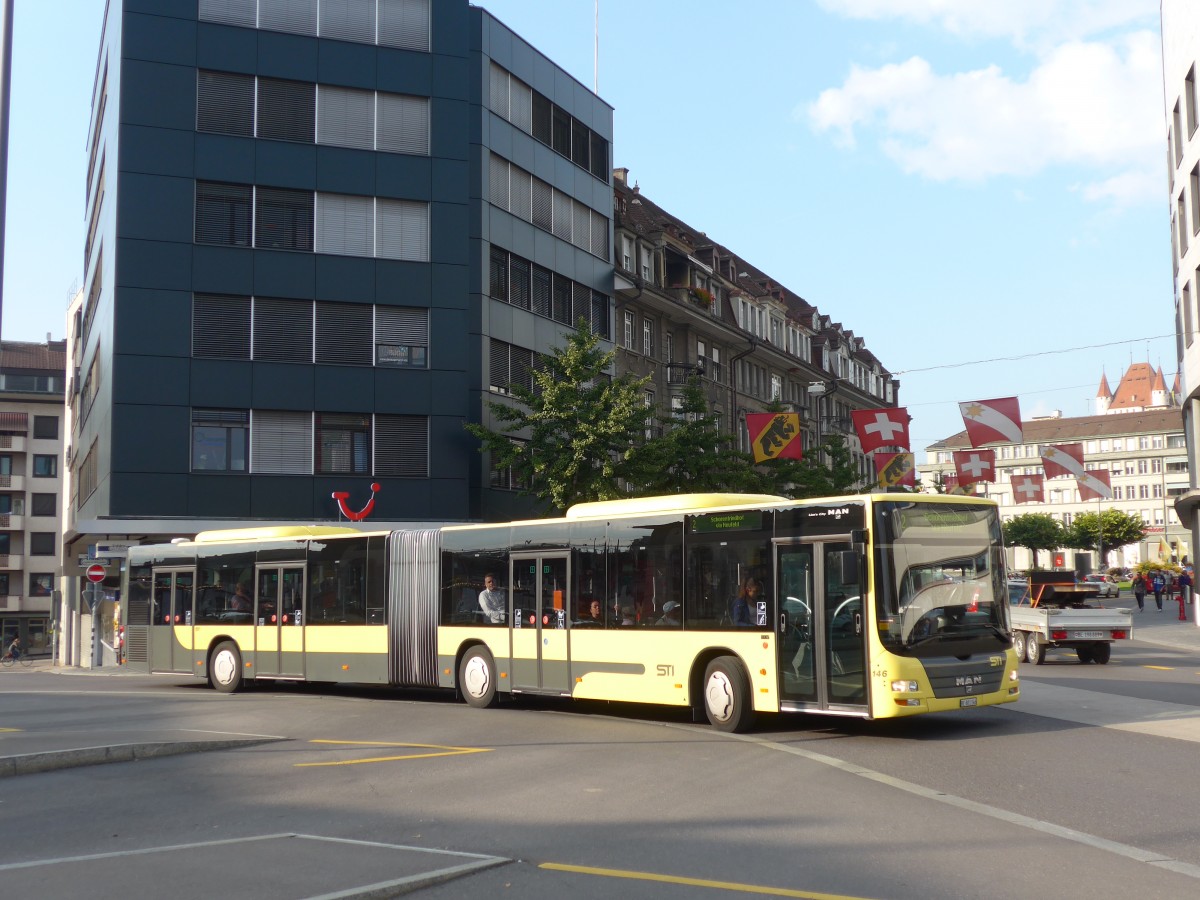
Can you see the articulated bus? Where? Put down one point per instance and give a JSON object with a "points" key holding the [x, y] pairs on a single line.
{"points": [[872, 606]]}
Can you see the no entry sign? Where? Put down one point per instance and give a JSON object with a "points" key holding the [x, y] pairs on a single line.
{"points": [[95, 573]]}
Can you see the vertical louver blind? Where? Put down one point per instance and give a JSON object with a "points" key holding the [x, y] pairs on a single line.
{"points": [[345, 225], [403, 124], [220, 327], [402, 230], [344, 334], [283, 330], [404, 23], [348, 20], [281, 443], [225, 103], [223, 213], [286, 110], [402, 446], [346, 117], [283, 220], [231, 12], [297, 16]]}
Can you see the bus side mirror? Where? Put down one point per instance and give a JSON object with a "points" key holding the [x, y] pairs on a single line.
{"points": [[848, 563]]}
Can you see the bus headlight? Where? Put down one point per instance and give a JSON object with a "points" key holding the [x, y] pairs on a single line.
{"points": [[904, 687], [1012, 676]]}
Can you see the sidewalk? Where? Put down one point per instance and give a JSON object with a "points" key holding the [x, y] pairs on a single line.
{"points": [[1161, 628]]}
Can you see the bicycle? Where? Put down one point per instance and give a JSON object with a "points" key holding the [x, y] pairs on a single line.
{"points": [[7, 660]]}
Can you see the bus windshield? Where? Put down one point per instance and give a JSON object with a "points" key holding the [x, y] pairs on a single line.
{"points": [[940, 588]]}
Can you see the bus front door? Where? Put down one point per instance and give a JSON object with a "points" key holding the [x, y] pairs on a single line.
{"points": [[822, 629], [540, 601], [171, 620], [279, 619]]}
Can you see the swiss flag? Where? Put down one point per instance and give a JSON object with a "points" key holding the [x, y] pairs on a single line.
{"points": [[989, 421], [1063, 459], [1094, 485], [973, 466], [887, 427], [1028, 488]]}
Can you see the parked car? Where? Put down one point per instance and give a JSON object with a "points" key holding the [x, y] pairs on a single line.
{"points": [[1106, 584]]}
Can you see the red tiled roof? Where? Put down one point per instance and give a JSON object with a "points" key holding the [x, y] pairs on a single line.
{"points": [[49, 357]]}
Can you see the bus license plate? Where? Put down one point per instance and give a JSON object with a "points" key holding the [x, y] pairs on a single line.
{"points": [[1089, 635], [969, 701]]}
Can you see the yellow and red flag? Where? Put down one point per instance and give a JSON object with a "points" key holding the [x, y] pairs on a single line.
{"points": [[774, 435], [895, 469]]}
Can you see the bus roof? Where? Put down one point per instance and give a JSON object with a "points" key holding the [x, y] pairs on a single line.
{"points": [[274, 532], [669, 503]]}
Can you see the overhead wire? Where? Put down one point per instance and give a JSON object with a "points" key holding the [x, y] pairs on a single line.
{"points": [[980, 362]]}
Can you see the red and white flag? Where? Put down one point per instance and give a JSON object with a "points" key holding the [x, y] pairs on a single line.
{"points": [[1028, 488], [1094, 485], [887, 427], [1063, 459], [989, 421], [973, 466]]}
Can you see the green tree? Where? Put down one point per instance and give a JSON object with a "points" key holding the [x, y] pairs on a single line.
{"points": [[1109, 530], [580, 434], [693, 454], [1034, 532]]}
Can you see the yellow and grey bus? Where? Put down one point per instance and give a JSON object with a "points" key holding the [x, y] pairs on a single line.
{"points": [[873, 606]]}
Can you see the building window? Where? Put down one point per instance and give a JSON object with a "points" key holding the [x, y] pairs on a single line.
{"points": [[283, 330], [345, 225], [43, 505], [402, 446], [647, 263], [403, 125], [41, 543], [283, 220], [627, 336], [220, 439], [220, 327], [402, 230], [505, 478], [345, 117], [45, 428], [401, 337], [223, 213], [45, 466], [287, 110], [225, 103], [4, 583], [777, 391], [509, 366], [1178, 131], [343, 333], [41, 584], [1189, 99], [281, 443], [647, 337], [343, 444]]}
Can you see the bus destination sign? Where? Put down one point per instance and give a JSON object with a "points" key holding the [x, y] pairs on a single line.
{"points": [[751, 520]]}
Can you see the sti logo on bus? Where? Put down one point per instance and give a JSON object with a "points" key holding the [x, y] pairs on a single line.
{"points": [[664, 670]]}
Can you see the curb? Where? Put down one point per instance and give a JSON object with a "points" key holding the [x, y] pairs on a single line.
{"points": [[53, 760]]}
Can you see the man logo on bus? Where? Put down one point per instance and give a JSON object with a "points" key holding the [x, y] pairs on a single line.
{"points": [[342, 496]]}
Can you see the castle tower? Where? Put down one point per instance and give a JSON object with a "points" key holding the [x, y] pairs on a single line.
{"points": [[1103, 395]]}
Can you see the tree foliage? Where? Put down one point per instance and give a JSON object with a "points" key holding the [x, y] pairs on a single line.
{"points": [[584, 434], [1115, 528], [827, 470], [693, 454], [1034, 532]]}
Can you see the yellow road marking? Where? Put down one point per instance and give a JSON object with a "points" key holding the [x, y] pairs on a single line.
{"points": [[1161, 668], [697, 882], [444, 751], [12, 729]]}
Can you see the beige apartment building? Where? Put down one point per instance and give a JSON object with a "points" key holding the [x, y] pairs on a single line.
{"points": [[31, 443]]}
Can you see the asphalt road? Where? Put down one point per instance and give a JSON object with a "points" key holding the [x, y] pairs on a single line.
{"points": [[1087, 788]]}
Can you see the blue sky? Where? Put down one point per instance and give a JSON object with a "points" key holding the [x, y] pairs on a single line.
{"points": [[953, 180]]}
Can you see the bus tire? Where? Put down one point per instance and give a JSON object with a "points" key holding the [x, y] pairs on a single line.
{"points": [[225, 667], [477, 678], [1035, 653], [1101, 653], [1019, 645], [727, 695]]}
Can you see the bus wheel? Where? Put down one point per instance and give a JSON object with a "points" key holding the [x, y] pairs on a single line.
{"points": [[1101, 653], [477, 678], [225, 668], [727, 695], [1019, 645]]}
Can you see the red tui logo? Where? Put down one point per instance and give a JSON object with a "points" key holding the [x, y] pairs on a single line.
{"points": [[342, 496]]}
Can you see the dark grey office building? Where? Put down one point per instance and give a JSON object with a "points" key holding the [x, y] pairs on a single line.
{"points": [[320, 237]]}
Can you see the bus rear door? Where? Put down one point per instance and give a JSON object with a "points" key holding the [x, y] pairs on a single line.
{"points": [[279, 633], [171, 620], [541, 601]]}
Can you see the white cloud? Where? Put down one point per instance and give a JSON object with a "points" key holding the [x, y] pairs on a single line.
{"points": [[1026, 22], [1088, 104]]}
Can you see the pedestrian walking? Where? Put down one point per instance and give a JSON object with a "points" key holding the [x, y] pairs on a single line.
{"points": [[1158, 584], [1139, 590]]}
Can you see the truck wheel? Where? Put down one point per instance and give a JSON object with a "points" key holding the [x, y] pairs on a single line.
{"points": [[1101, 653], [1035, 653], [1084, 654], [1019, 645]]}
